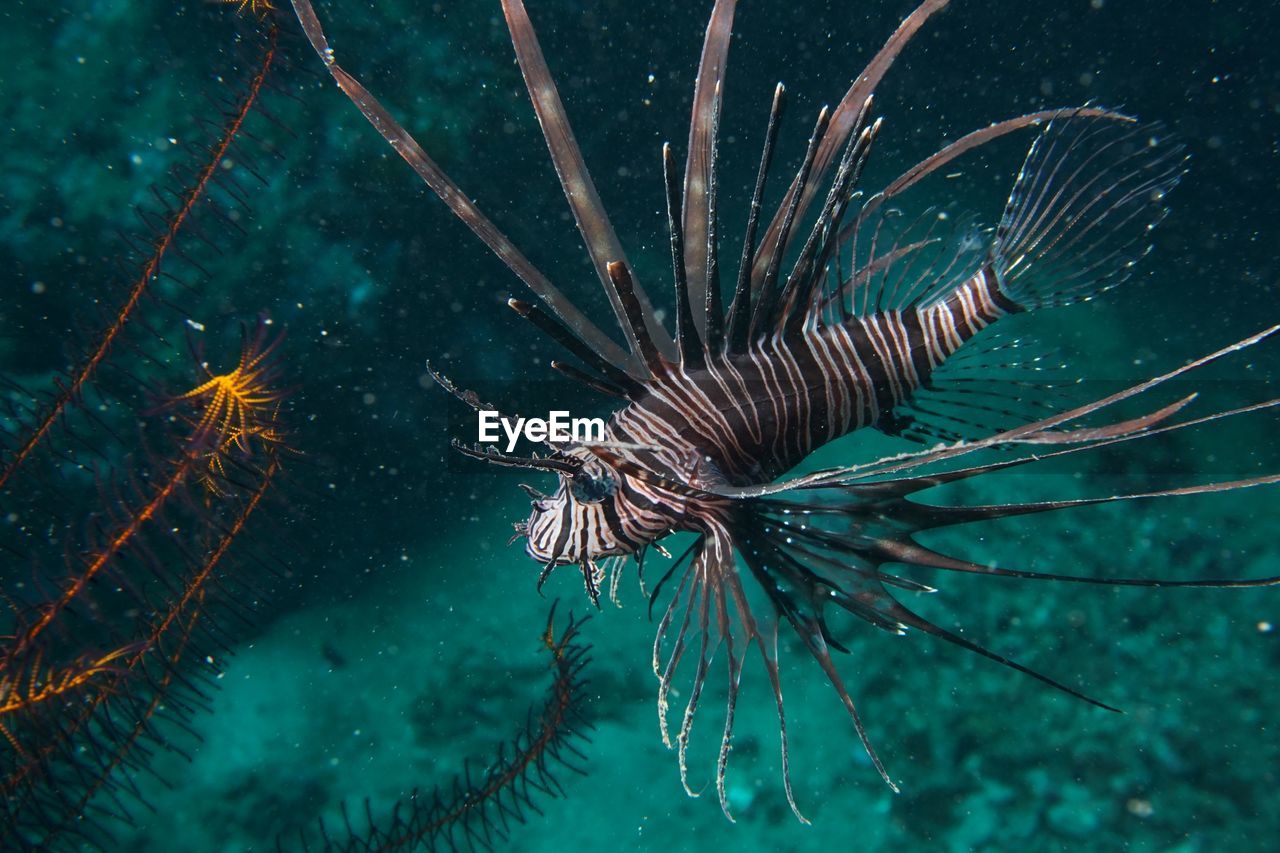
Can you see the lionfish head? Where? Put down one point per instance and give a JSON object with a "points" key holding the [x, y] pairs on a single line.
{"points": [[580, 521]]}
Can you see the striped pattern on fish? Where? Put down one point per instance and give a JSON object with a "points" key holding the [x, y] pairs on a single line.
{"points": [[823, 332], [747, 418]]}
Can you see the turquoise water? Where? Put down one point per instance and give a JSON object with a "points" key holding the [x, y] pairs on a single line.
{"points": [[396, 637]]}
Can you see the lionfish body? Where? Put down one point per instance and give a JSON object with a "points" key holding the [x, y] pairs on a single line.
{"points": [[857, 331], [745, 419]]}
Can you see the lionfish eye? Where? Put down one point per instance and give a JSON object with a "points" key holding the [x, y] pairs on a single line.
{"points": [[589, 489]]}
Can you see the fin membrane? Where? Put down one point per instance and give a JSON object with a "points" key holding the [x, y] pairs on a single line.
{"points": [[1082, 209], [1000, 380]]}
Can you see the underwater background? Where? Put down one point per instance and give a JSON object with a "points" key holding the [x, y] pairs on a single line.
{"points": [[396, 638]]}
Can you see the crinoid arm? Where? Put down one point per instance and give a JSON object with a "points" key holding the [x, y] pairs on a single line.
{"points": [[239, 404], [38, 424], [480, 809]]}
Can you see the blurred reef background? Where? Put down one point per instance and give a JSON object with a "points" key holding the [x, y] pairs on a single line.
{"points": [[401, 638]]}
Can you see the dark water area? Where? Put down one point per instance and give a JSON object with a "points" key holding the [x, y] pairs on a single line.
{"points": [[380, 634]]}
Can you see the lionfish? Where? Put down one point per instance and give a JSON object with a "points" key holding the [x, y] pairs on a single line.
{"points": [[714, 416]]}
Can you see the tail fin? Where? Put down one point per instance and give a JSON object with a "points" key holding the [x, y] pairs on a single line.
{"points": [[1082, 209]]}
